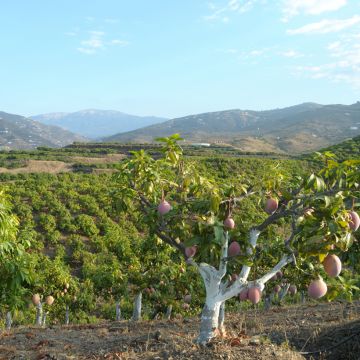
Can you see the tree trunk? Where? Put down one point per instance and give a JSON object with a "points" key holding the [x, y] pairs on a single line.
{"points": [[302, 297], [221, 321], [168, 312], [283, 292], [43, 322], [209, 321], [137, 307], [67, 315], [8, 320], [118, 311], [39, 312], [267, 303]]}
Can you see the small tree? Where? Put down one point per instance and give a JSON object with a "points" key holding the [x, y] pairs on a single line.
{"points": [[193, 214], [15, 262]]}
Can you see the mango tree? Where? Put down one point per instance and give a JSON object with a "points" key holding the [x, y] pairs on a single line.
{"points": [[196, 216], [15, 262]]}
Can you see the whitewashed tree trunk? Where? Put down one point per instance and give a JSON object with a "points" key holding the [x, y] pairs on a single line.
{"points": [[221, 322], [67, 315], [209, 321], [137, 307], [218, 289], [39, 311], [43, 322], [8, 321], [118, 311], [168, 312]]}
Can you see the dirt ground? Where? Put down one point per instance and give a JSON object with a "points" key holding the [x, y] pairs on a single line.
{"points": [[311, 331], [55, 167], [34, 166]]}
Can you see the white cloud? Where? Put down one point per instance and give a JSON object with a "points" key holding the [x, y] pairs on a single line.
{"points": [[326, 26], [94, 43], [119, 42], [87, 51], [310, 7], [97, 41], [344, 64], [222, 12], [291, 54]]}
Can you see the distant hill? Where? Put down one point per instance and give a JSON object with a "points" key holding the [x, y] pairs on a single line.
{"points": [[301, 128], [95, 124], [19, 132]]}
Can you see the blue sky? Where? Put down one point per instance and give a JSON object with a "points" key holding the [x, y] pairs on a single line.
{"points": [[177, 57]]}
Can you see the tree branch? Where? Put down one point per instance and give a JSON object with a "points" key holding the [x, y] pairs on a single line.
{"points": [[235, 200], [254, 235], [224, 253], [286, 259]]}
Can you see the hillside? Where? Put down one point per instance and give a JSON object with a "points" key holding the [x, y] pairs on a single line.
{"points": [[349, 149], [19, 132], [295, 129], [97, 123]]}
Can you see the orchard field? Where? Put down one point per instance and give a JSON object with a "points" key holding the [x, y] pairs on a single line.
{"points": [[88, 238]]}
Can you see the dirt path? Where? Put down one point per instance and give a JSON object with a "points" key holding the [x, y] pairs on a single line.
{"points": [[281, 333]]}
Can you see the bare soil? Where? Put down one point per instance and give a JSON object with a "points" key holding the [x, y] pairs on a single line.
{"points": [[35, 166], [311, 331], [55, 167]]}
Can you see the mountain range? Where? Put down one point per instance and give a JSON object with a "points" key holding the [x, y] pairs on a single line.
{"points": [[95, 124], [19, 132], [295, 129]]}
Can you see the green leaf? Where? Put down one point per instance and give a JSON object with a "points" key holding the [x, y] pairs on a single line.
{"points": [[219, 234]]}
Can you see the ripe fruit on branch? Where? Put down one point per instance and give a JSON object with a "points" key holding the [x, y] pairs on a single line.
{"points": [[164, 207], [279, 275], [190, 251], [244, 295], [187, 298], [36, 299], [354, 222], [254, 295], [234, 249], [271, 205], [292, 289], [229, 223], [332, 265], [317, 289], [234, 277], [277, 288], [49, 300], [147, 291]]}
